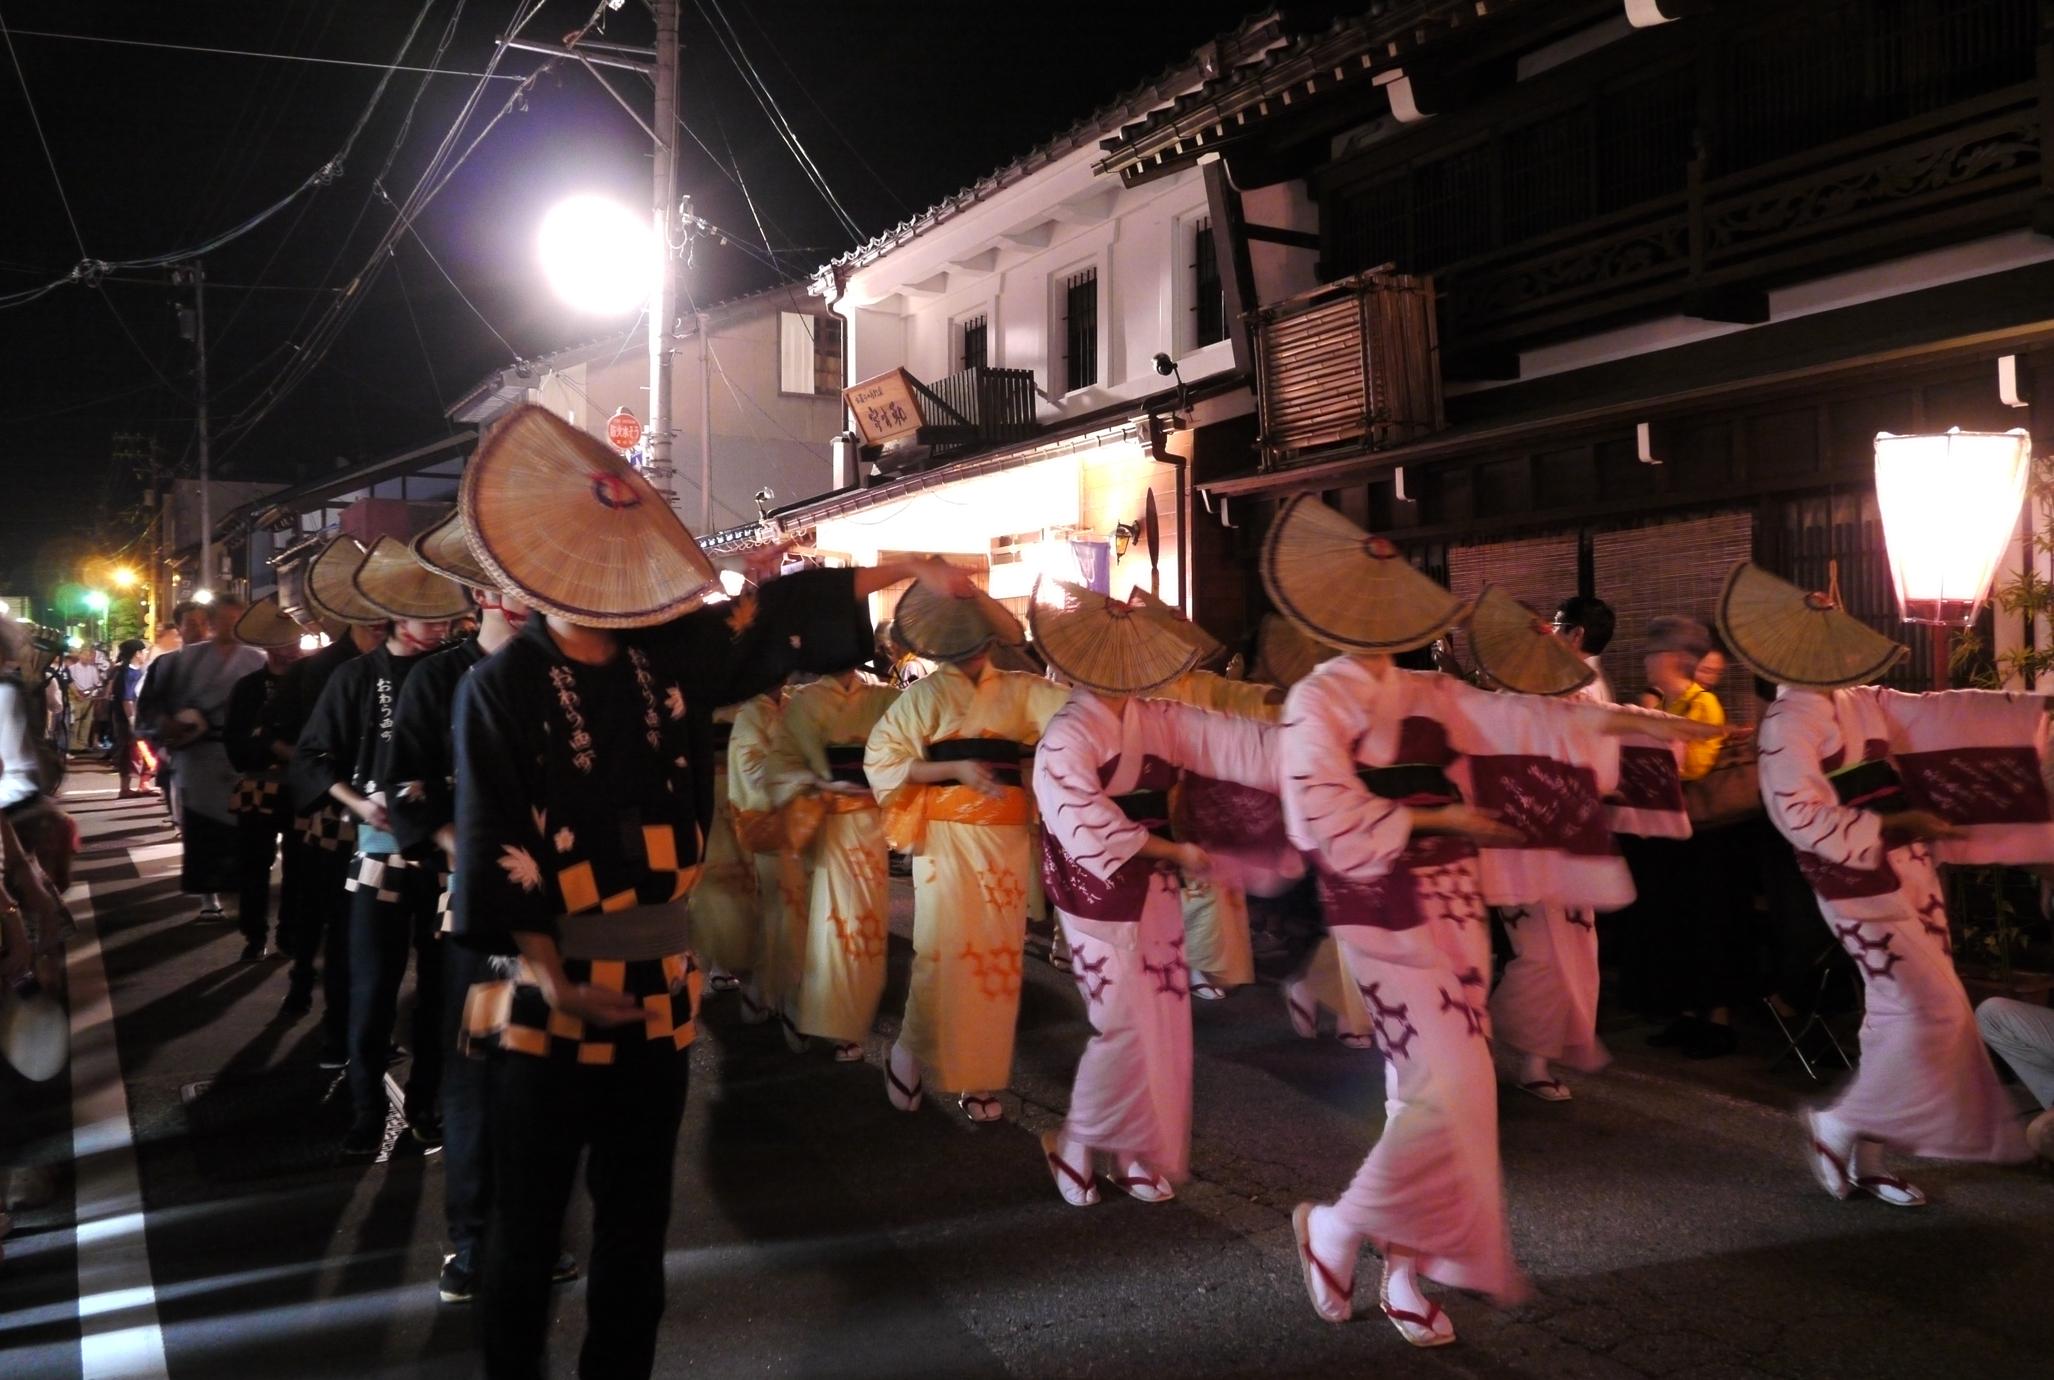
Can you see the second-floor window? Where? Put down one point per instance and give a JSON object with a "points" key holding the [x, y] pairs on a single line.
{"points": [[1208, 296], [1080, 330], [809, 354], [976, 337]]}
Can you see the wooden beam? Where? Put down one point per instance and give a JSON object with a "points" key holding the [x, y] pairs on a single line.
{"points": [[1276, 234], [1230, 246]]}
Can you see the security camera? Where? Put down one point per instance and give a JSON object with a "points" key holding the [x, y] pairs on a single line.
{"points": [[1164, 365]]}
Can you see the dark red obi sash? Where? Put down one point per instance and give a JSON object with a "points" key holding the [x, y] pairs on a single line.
{"points": [[1076, 890], [1871, 784], [1391, 902]]}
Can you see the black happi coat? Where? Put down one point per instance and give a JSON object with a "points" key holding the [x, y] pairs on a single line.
{"points": [[419, 763], [579, 786], [348, 728]]}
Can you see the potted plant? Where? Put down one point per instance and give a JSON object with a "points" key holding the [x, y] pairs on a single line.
{"points": [[1995, 909]]}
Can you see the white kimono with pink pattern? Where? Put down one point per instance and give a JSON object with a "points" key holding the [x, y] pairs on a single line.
{"points": [[1102, 780], [1831, 766], [1358, 752]]}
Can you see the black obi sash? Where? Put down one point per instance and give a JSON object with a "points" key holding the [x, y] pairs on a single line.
{"points": [[1002, 755], [1149, 809], [1873, 785], [1421, 784], [845, 763]]}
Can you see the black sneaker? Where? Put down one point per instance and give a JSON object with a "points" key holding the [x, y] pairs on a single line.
{"points": [[427, 1132], [1710, 1041], [364, 1139], [1675, 1033], [334, 1056], [299, 998], [252, 951], [457, 1283]]}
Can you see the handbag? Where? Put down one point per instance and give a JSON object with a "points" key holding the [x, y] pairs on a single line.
{"points": [[1731, 791]]}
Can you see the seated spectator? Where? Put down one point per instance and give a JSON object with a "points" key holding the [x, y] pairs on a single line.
{"points": [[2024, 1035]]}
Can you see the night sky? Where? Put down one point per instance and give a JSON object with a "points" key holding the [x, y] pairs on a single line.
{"points": [[900, 102]]}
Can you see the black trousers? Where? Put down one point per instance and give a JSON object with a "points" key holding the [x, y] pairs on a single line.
{"points": [[256, 847], [320, 931], [544, 1112], [390, 916], [466, 1105]]}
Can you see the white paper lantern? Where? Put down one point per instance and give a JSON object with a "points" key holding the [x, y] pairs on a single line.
{"points": [[1950, 507]]}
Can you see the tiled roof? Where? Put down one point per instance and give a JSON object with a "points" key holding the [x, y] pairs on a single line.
{"points": [[1351, 50]]}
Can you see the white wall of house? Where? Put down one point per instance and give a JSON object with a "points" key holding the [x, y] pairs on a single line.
{"points": [[765, 434], [1007, 258]]}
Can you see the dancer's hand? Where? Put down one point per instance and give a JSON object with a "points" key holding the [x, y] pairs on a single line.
{"points": [[980, 777], [600, 1006], [1194, 862], [1486, 831]]}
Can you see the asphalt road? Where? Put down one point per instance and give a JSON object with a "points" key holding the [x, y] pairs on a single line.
{"points": [[1665, 1215]]}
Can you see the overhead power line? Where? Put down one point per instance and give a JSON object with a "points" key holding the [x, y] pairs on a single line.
{"points": [[251, 53]]}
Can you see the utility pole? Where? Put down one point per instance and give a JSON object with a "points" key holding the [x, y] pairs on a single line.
{"points": [[705, 424], [195, 275], [662, 303]]}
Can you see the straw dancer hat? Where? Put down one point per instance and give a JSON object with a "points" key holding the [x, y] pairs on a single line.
{"points": [[1514, 647], [392, 580], [1209, 647], [1283, 655], [1346, 588], [1785, 635], [445, 550], [264, 624], [941, 628], [1113, 646], [557, 517], [331, 584]]}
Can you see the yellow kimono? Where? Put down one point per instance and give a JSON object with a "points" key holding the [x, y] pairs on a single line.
{"points": [[753, 758], [826, 729], [724, 902], [970, 867], [1216, 937]]}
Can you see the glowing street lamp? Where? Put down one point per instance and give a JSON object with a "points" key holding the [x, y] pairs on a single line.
{"points": [[1950, 506], [203, 596], [598, 256], [124, 577], [95, 601]]}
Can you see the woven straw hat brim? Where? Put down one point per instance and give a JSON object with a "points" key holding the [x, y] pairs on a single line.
{"points": [[445, 550], [1105, 644], [1209, 647], [944, 628], [1785, 635], [331, 584], [392, 580], [1284, 654], [1513, 646], [557, 517], [264, 624], [1349, 589]]}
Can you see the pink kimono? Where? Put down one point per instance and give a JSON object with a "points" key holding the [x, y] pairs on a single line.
{"points": [[1102, 780], [1546, 1001], [1357, 751], [1831, 766]]}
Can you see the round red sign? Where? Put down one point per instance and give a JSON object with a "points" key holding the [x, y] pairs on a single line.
{"points": [[622, 430]]}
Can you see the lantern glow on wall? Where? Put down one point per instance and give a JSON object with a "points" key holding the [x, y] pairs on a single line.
{"points": [[1949, 504]]}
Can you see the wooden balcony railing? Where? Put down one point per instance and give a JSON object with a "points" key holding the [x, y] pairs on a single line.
{"points": [[1970, 169], [1353, 363]]}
